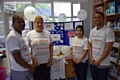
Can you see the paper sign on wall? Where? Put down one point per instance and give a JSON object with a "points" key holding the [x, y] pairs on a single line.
{"points": [[55, 37], [78, 23], [68, 26], [49, 27]]}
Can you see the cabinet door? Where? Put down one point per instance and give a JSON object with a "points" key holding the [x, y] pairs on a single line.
{"points": [[69, 69]]}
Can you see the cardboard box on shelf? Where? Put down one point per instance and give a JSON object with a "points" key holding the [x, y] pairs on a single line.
{"points": [[116, 44], [98, 1], [100, 8], [113, 59]]}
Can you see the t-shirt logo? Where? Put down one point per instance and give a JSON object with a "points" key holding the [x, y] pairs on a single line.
{"points": [[36, 42], [40, 42], [24, 48]]}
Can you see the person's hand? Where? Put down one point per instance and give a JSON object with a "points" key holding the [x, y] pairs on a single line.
{"points": [[35, 62], [74, 59], [49, 62], [77, 61], [97, 63], [32, 69], [92, 60]]}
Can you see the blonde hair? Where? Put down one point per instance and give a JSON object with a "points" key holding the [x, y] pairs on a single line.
{"points": [[38, 17]]}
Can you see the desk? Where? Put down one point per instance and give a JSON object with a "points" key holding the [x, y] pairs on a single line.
{"points": [[69, 69]]}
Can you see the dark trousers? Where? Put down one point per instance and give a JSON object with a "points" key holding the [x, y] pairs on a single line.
{"points": [[42, 72], [81, 70], [99, 73]]}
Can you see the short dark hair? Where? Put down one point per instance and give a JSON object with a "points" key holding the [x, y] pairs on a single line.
{"points": [[81, 27], [16, 16], [101, 13]]}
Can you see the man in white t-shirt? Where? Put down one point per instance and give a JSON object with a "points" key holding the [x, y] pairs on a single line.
{"points": [[101, 40], [18, 49]]}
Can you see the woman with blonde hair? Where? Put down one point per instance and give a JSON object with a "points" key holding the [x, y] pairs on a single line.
{"points": [[42, 49]]}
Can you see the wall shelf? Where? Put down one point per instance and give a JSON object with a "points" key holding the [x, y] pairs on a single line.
{"points": [[108, 18], [114, 62], [106, 1], [99, 4], [116, 47], [113, 77], [116, 30], [110, 15]]}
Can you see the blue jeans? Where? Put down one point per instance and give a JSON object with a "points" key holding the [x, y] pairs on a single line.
{"points": [[99, 73], [81, 70]]}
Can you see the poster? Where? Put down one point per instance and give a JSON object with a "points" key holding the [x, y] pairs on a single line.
{"points": [[68, 26], [55, 37], [49, 27]]}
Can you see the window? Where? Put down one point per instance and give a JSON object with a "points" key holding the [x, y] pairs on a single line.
{"points": [[1, 17], [16, 6], [58, 7], [43, 8], [26, 24], [76, 19], [20, 6], [24, 32], [9, 6], [50, 20], [62, 7], [57, 19], [1, 29], [0, 8], [76, 8], [2, 36], [2, 32]]}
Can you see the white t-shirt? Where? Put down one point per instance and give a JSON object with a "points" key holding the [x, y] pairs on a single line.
{"points": [[99, 38], [15, 42], [40, 43], [57, 69], [79, 45]]}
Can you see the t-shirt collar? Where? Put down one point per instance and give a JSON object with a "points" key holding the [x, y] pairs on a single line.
{"points": [[16, 32], [99, 29]]}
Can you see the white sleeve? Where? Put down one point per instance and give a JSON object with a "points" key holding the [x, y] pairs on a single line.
{"points": [[90, 40], [71, 41], [27, 36], [86, 44], [50, 39], [13, 44], [49, 36], [110, 36]]}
